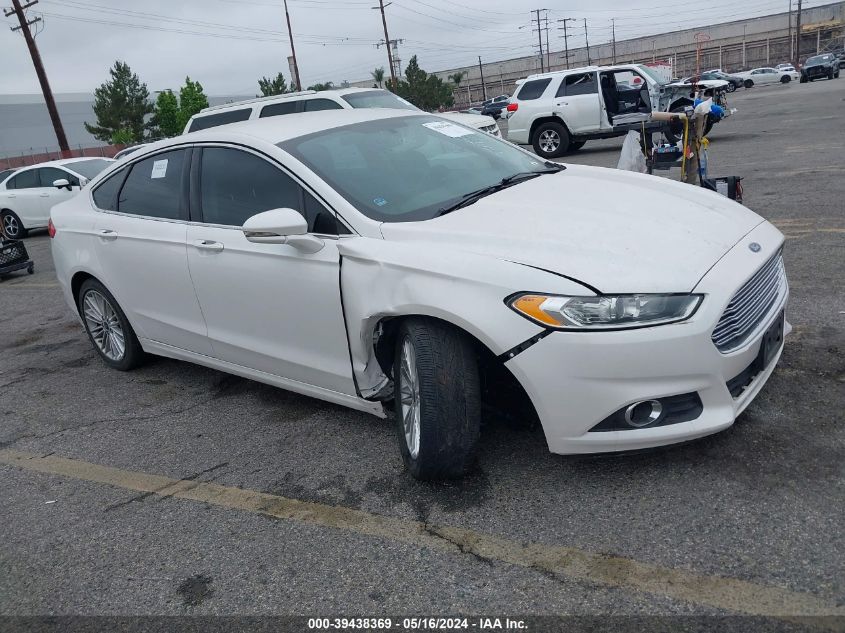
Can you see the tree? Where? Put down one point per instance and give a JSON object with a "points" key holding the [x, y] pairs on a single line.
{"points": [[318, 87], [276, 86], [191, 100], [378, 76], [120, 106], [427, 92], [167, 119], [457, 78]]}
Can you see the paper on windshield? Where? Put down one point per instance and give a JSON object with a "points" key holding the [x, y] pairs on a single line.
{"points": [[448, 129], [159, 169]]}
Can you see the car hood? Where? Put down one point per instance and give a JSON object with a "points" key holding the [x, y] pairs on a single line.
{"points": [[706, 83], [613, 230], [470, 120]]}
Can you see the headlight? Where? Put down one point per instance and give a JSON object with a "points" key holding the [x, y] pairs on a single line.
{"points": [[605, 312]]}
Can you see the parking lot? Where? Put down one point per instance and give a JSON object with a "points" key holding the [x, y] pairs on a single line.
{"points": [[175, 489]]}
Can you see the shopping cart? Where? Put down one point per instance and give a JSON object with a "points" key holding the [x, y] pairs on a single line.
{"points": [[13, 257]]}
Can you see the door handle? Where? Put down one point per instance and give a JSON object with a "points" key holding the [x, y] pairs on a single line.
{"points": [[12, 195], [208, 245], [45, 195], [107, 235], [563, 103]]}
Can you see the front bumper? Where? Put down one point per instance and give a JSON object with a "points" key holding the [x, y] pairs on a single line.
{"points": [[577, 379]]}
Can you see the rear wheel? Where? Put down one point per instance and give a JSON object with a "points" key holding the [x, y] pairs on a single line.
{"points": [[785, 79], [731, 87], [551, 140], [748, 83], [12, 226], [437, 399], [107, 327]]}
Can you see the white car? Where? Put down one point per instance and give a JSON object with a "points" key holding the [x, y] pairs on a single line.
{"points": [[28, 194], [382, 259], [763, 76], [313, 101]]}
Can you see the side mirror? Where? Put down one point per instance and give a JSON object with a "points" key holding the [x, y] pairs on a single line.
{"points": [[62, 183], [281, 226]]}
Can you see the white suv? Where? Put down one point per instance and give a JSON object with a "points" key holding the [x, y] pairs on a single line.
{"points": [[311, 101], [559, 111]]}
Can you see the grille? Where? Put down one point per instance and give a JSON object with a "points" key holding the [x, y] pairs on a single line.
{"points": [[749, 305], [12, 253]]}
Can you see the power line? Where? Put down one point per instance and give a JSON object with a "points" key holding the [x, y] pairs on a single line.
{"points": [[18, 11], [565, 39]]}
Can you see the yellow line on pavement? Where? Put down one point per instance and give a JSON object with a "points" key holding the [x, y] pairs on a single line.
{"points": [[714, 591]]}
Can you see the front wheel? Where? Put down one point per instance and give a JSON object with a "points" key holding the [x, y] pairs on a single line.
{"points": [[731, 87], [785, 79], [437, 399], [13, 228], [551, 140], [108, 328], [803, 79], [748, 83]]}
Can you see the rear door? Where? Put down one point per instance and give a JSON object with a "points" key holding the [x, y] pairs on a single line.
{"points": [[23, 196], [577, 102], [140, 243], [269, 307]]}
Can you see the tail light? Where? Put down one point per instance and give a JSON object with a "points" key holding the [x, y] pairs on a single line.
{"points": [[513, 107], [51, 228]]}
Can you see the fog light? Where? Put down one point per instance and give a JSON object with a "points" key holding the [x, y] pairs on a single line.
{"points": [[643, 413]]}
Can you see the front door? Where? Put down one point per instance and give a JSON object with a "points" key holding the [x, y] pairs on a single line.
{"points": [[269, 307], [577, 100], [51, 195], [140, 243]]}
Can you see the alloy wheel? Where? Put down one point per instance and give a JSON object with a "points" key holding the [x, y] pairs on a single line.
{"points": [[549, 141], [104, 325], [409, 396], [11, 227]]}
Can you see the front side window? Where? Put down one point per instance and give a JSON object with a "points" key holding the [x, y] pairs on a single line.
{"points": [[583, 84], [278, 109], [315, 105], [154, 187], [105, 195], [408, 168], [222, 118], [24, 180], [533, 89], [377, 99], [49, 175]]}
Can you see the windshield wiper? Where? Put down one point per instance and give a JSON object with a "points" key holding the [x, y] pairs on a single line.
{"points": [[507, 181]]}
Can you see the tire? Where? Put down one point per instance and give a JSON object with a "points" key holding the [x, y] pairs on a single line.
{"points": [[830, 74], [95, 302], [803, 79], [554, 137], [748, 83], [438, 392], [836, 75], [731, 87], [574, 146], [785, 79], [13, 228]]}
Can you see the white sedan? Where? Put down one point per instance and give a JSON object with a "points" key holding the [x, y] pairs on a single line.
{"points": [[768, 76], [391, 260], [28, 194]]}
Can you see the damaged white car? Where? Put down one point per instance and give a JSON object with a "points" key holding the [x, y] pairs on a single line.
{"points": [[386, 260]]}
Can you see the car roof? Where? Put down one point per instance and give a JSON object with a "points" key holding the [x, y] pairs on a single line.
{"points": [[295, 96], [282, 128], [66, 162]]}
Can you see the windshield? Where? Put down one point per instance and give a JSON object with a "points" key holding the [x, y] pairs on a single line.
{"points": [[651, 73], [818, 59], [89, 168], [377, 99], [408, 168]]}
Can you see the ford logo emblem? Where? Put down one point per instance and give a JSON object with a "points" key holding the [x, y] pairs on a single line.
{"points": [[755, 247]]}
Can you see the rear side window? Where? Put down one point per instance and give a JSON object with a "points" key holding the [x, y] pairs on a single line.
{"points": [[533, 89], [313, 105], [276, 109], [24, 180], [154, 187], [105, 195], [222, 118], [583, 84]]}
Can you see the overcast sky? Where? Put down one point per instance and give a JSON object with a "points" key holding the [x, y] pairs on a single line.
{"points": [[228, 44]]}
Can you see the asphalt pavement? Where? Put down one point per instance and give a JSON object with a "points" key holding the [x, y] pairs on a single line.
{"points": [[179, 490]]}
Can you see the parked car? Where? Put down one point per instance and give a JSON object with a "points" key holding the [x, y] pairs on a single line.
{"points": [[390, 260], [494, 107], [311, 101], [560, 111], [762, 76], [28, 194], [782, 66], [5, 173], [734, 82], [819, 67]]}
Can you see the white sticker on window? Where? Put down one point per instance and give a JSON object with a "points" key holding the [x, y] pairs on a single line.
{"points": [[159, 169], [448, 129]]}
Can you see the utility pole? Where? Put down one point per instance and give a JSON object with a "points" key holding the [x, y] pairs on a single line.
{"points": [[744, 28], [483, 85], [540, 38], [613, 26], [39, 69], [587, 41], [381, 6], [565, 39], [797, 59], [789, 28], [292, 49], [548, 49]]}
